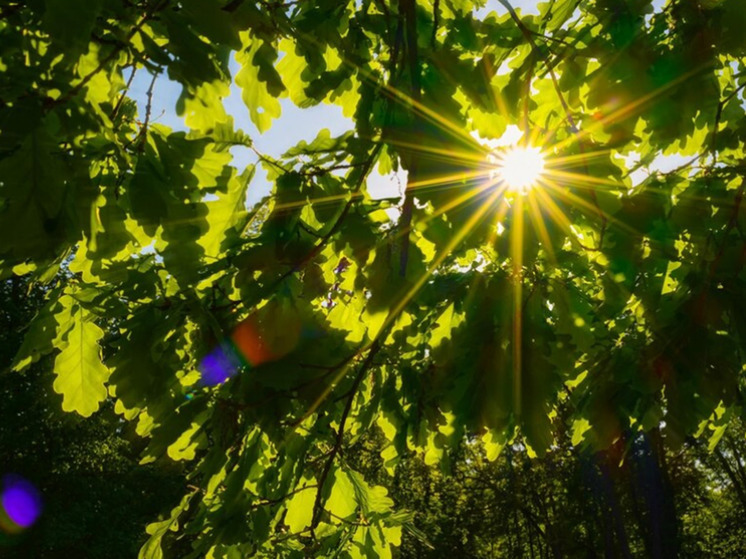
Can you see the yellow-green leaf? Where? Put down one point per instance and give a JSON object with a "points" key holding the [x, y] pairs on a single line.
{"points": [[300, 508], [341, 501], [80, 373]]}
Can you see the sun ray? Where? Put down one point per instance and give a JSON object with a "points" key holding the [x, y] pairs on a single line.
{"points": [[577, 158], [629, 109], [456, 130], [577, 179], [446, 179], [443, 180], [452, 204], [333, 198], [317, 201], [538, 222], [475, 155], [452, 244], [517, 260], [590, 207], [406, 298], [502, 211], [425, 183], [557, 215]]}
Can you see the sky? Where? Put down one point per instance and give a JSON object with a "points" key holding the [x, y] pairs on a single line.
{"points": [[297, 124]]}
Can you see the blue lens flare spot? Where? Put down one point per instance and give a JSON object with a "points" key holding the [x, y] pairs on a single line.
{"points": [[221, 364], [20, 502]]}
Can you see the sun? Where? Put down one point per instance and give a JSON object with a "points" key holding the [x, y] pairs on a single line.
{"points": [[519, 168]]}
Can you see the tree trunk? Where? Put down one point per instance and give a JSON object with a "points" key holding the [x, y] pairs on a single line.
{"points": [[617, 518]]}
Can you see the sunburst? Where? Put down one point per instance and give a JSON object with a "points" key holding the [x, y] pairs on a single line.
{"points": [[520, 168]]}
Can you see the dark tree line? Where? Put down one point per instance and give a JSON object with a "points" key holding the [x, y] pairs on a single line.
{"points": [[640, 498]]}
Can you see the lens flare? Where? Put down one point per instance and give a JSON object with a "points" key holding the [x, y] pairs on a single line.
{"points": [[222, 363], [520, 168], [250, 340], [253, 342], [20, 504]]}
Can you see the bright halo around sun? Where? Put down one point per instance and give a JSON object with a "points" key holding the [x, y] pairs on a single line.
{"points": [[519, 168]]}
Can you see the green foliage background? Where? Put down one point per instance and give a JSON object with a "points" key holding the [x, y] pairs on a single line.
{"points": [[600, 313]]}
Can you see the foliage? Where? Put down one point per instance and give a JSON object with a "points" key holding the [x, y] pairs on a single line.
{"points": [[476, 312], [96, 497]]}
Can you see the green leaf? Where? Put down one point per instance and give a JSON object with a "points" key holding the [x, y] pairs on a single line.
{"points": [[370, 499], [579, 427], [33, 188], [157, 530], [225, 213], [341, 502], [70, 22], [46, 331], [81, 376], [300, 507], [188, 442], [561, 10], [263, 106]]}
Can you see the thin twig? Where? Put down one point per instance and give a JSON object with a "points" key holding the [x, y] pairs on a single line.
{"points": [[527, 96], [149, 104], [315, 170], [142, 134], [308, 230], [549, 38], [115, 110], [436, 23], [266, 502], [317, 508], [718, 117], [268, 159]]}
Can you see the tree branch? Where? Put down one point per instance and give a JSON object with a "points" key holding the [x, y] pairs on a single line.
{"points": [[317, 508], [116, 108], [314, 252], [142, 134], [408, 10], [72, 92], [718, 117]]}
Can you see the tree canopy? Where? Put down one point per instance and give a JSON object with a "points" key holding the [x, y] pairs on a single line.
{"points": [[258, 344]]}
